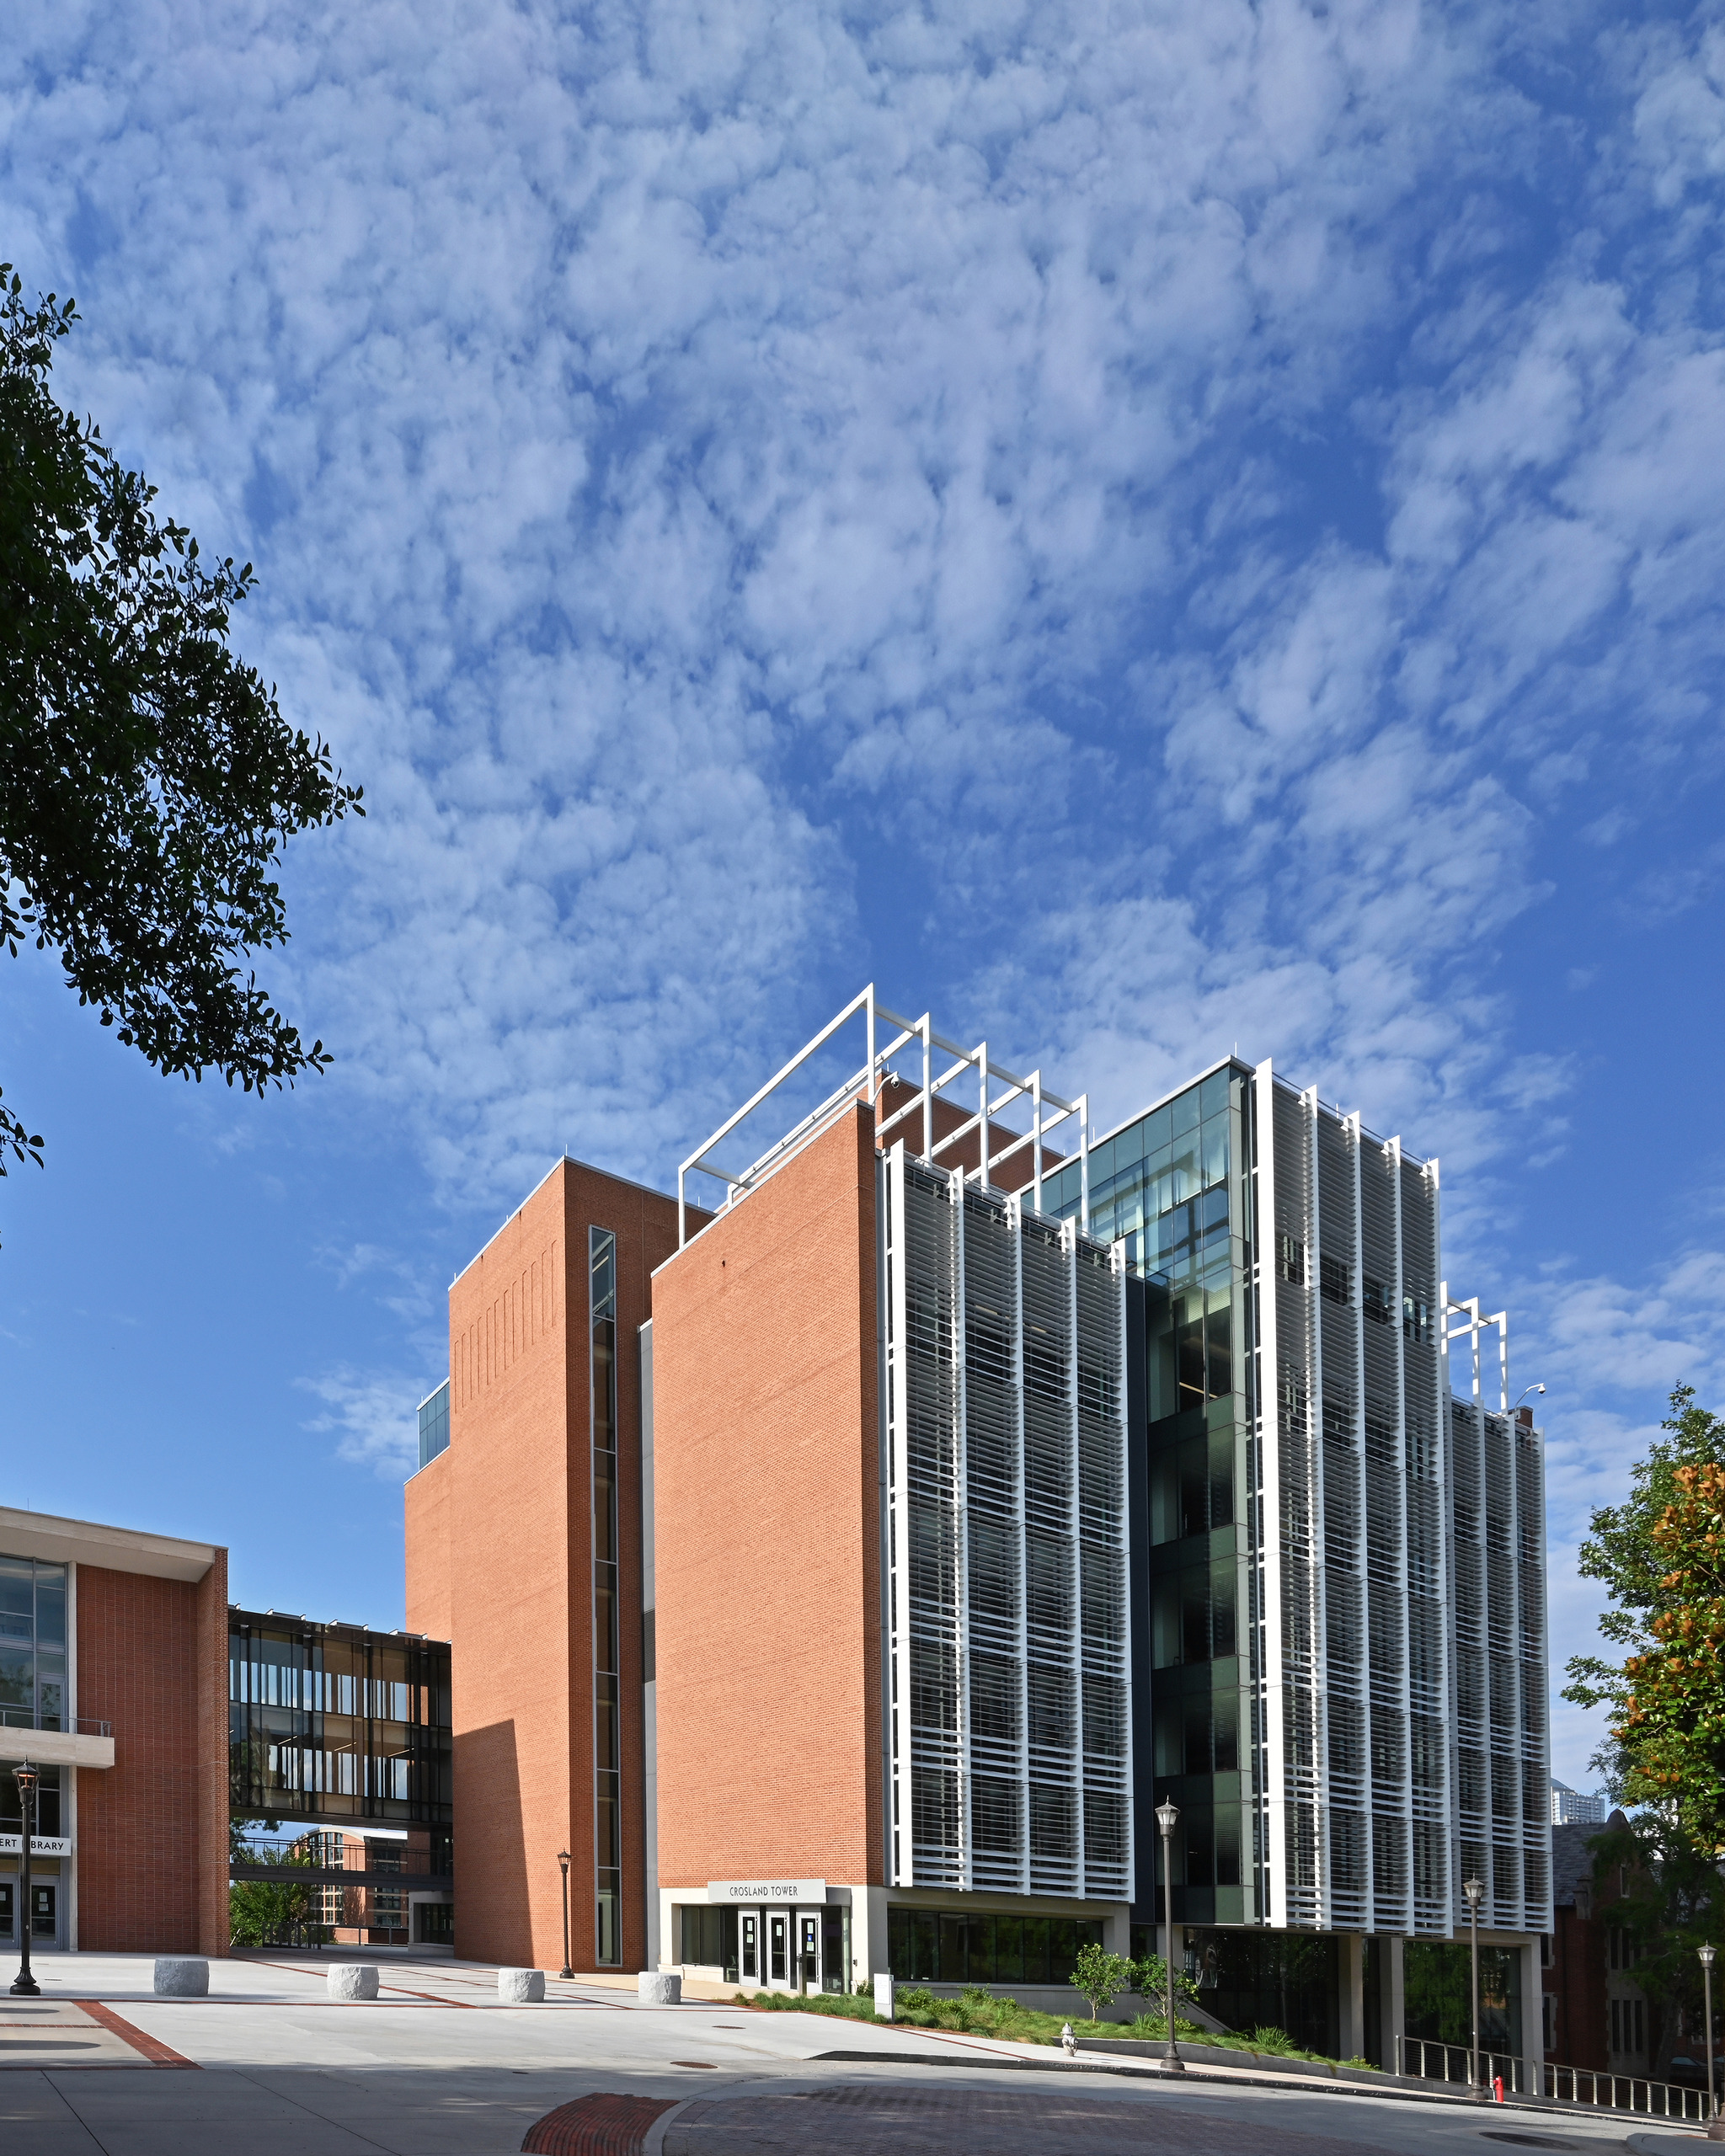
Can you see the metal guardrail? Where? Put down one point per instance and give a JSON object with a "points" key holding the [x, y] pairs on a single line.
{"points": [[1414, 2058], [1577, 2086], [75, 1726]]}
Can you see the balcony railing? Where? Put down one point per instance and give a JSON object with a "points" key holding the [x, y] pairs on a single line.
{"points": [[1429, 2061], [76, 1724]]}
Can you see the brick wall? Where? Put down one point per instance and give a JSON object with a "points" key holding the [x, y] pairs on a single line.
{"points": [[430, 1584], [767, 1531], [153, 1829], [500, 1563]]}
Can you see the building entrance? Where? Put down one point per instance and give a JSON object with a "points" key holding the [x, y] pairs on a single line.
{"points": [[44, 1912]]}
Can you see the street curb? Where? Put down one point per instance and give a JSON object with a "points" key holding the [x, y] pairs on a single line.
{"points": [[1314, 2086], [601, 2125]]}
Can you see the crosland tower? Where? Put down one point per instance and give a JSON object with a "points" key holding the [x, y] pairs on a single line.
{"points": [[867, 1555]]}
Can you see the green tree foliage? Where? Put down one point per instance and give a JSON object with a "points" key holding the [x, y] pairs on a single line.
{"points": [[1101, 1977], [259, 1911], [1672, 1901], [1662, 1557], [1150, 1980], [147, 779]]}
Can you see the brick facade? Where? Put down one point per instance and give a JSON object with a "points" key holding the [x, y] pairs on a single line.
{"points": [[499, 1562], [152, 1829], [767, 1531]]}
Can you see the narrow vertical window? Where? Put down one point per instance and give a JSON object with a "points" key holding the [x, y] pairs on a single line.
{"points": [[607, 1746]]}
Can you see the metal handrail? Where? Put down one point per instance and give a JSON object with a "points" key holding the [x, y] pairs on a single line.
{"points": [[1414, 2054], [1654, 2097], [73, 1725], [1615, 2092]]}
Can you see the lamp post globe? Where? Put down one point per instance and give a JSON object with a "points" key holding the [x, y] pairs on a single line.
{"points": [[1167, 1814], [1474, 1889], [563, 1859], [23, 1984]]}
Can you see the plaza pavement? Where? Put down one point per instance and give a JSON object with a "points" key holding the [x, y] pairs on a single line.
{"points": [[437, 2066]]}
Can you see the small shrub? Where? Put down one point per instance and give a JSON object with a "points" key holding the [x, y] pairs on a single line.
{"points": [[1276, 2040]]}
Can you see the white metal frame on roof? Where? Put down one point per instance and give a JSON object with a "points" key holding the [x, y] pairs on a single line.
{"points": [[1048, 1110], [1475, 1323]]}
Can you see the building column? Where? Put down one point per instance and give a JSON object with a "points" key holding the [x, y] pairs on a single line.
{"points": [[1533, 2016], [1350, 2036], [1395, 2001]]}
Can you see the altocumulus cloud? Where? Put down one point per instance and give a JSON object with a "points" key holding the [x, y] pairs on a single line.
{"points": [[1153, 505]]}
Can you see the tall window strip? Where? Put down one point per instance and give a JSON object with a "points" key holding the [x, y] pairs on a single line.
{"points": [[607, 1736]]}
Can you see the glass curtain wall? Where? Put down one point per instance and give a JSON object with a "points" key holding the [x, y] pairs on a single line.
{"points": [[32, 1644], [1175, 1184], [607, 1735], [329, 1721]]}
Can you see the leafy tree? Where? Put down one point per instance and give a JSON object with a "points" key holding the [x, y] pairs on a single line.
{"points": [[1661, 1557], [260, 1910], [1101, 1977], [1150, 1980], [147, 779], [1672, 1900]]}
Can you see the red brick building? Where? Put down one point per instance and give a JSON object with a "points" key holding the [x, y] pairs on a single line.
{"points": [[114, 1684], [524, 1551], [658, 1535]]}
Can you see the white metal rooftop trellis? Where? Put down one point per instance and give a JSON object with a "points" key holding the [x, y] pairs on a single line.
{"points": [[926, 1086]]}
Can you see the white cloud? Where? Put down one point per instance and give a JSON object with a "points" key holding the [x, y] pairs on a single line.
{"points": [[372, 1414]]}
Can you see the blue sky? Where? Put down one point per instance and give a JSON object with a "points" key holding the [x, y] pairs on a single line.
{"points": [[1143, 528]]}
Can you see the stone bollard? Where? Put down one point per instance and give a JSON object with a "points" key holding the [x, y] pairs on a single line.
{"points": [[353, 1980], [884, 1998], [659, 1988], [183, 1979], [520, 1987]]}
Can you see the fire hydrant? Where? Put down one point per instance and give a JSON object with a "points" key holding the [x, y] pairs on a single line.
{"points": [[1069, 2043]]}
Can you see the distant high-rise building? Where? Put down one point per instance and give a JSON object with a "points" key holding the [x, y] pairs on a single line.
{"points": [[1570, 1808]]}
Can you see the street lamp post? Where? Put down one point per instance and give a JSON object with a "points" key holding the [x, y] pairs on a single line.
{"points": [[1715, 2125], [563, 1858], [1167, 1814], [1473, 1888], [23, 1984]]}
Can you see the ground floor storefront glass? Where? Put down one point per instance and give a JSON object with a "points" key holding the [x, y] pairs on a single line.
{"points": [[1437, 1984], [956, 1947], [803, 1949], [1251, 1979]]}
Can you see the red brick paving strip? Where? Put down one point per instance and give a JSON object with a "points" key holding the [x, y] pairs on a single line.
{"points": [[965, 2122], [595, 2125], [157, 2054]]}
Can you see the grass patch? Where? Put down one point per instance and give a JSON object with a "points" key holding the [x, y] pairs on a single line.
{"points": [[978, 2013], [844, 2008]]}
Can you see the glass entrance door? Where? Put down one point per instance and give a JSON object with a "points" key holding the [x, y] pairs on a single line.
{"points": [[749, 1945], [8, 1911], [808, 1951], [45, 1900], [779, 1931]]}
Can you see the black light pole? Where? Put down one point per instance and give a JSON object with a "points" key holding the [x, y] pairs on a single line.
{"points": [[23, 1984], [1473, 1888], [563, 1858], [1167, 1813], [1715, 2126]]}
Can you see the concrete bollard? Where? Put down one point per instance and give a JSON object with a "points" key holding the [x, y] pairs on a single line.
{"points": [[182, 1979], [884, 1998], [353, 1980], [520, 1987], [659, 1988]]}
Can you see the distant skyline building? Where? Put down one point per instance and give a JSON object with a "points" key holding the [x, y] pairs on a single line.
{"points": [[1570, 1808], [1014, 1481]]}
